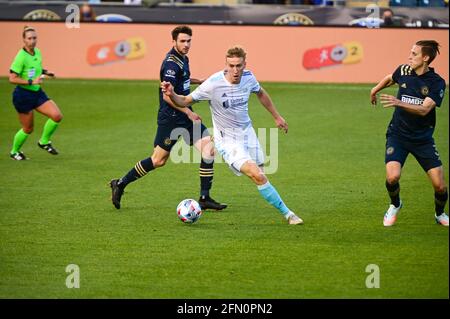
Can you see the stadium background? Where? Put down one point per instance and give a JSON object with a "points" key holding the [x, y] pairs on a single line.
{"points": [[326, 30]]}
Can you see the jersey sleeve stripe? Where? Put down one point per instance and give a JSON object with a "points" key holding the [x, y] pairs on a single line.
{"points": [[176, 58]]}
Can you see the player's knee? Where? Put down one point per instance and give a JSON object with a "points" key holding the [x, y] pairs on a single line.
{"points": [[57, 117], [208, 152], [393, 178], [158, 162], [441, 188], [259, 178], [28, 129]]}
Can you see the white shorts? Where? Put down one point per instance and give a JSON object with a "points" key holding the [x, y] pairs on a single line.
{"points": [[236, 150]]}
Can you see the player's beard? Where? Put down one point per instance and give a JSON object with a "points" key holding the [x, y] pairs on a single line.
{"points": [[183, 51]]}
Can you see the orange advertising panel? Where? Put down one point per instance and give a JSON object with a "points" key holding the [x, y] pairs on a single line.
{"points": [[132, 48], [279, 54]]}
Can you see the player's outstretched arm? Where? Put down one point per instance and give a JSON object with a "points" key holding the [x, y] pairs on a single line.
{"points": [[384, 83], [180, 101], [422, 109], [266, 101], [190, 114]]}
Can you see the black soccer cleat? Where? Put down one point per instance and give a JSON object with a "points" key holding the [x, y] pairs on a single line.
{"points": [[117, 192], [207, 202], [19, 156], [49, 148]]}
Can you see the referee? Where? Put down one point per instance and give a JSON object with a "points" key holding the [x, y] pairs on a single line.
{"points": [[27, 73]]}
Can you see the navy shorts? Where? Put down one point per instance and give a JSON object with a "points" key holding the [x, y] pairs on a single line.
{"points": [[426, 154], [25, 100], [168, 134]]}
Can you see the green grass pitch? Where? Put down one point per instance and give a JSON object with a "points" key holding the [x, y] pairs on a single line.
{"points": [[56, 211]]}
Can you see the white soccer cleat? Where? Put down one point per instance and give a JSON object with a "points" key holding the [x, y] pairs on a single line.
{"points": [[391, 215], [294, 219], [442, 219]]}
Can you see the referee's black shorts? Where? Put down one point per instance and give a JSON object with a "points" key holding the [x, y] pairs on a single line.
{"points": [[26, 100]]}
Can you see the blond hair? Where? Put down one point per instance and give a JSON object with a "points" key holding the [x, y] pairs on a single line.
{"points": [[27, 29], [236, 52]]}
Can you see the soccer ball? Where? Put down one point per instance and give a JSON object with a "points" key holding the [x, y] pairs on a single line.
{"points": [[189, 211]]}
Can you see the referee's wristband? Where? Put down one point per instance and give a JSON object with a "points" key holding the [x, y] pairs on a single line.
{"points": [[30, 81]]}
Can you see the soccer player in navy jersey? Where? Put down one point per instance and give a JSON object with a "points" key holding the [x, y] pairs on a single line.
{"points": [[411, 129], [173, 123]]}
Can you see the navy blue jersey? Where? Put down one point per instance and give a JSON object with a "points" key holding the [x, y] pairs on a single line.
{"points": [[413, 89], [174, 69]]}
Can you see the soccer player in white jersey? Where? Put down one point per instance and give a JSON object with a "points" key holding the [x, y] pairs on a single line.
{"points": [[228, 92]]}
